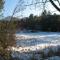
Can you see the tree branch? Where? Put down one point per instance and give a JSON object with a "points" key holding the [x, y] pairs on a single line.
{"points": [[55, 5]]}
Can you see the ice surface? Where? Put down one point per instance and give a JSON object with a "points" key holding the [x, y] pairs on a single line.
{"points": [[53, 58], [36, 41], [39, 38]]}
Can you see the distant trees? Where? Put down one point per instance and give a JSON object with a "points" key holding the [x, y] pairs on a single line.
{"points": [[45, 22]]}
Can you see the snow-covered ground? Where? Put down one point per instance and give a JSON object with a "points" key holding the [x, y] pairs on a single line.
{"points": [[53, 58], [36, 41]]}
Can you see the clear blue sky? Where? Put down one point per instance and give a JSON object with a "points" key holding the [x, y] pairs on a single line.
{"points": [[10, 5]]}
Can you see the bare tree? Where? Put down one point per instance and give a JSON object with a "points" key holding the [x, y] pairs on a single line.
{"points": [[52, 2], [21, 6]]}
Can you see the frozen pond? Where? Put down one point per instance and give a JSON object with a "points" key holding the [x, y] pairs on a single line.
{"points": [[37, 40], [28, 42]]}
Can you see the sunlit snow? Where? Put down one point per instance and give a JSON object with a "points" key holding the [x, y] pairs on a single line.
{"points": [[37, 40]]}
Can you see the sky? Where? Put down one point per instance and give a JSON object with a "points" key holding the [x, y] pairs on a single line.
{"points": [[9, 7], [36, 10]]}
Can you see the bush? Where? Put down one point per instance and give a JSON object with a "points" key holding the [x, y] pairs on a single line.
{"points": [[7, 39]]}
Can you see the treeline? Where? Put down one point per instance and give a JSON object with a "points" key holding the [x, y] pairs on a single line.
{"points": [[45, 22]]}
